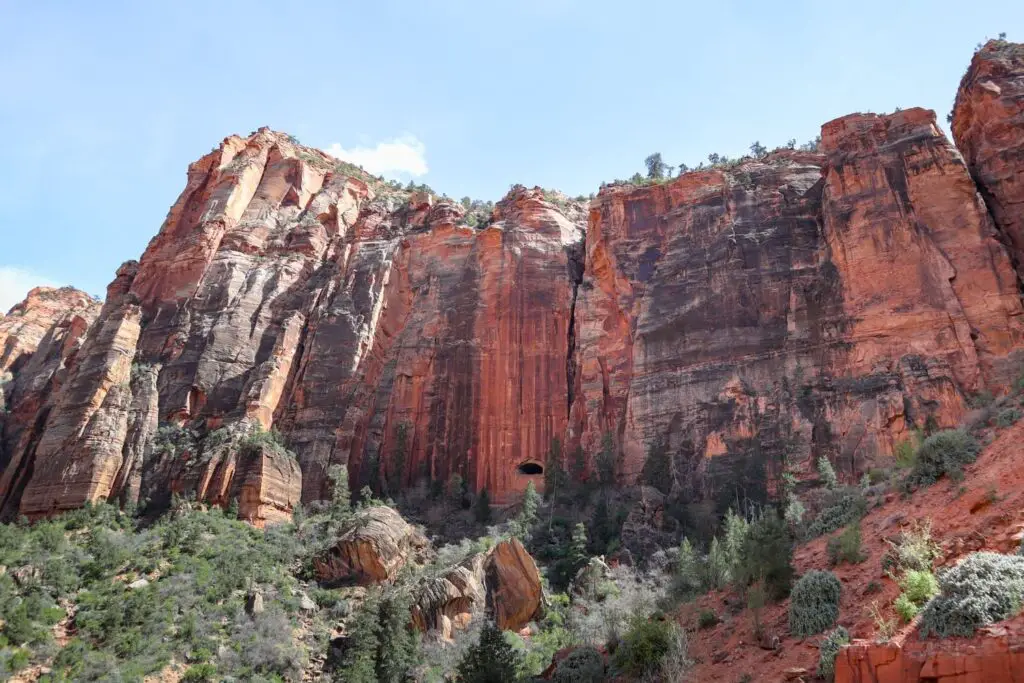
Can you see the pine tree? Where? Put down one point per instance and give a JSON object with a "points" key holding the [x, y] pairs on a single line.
{"points": [[491, 660], [757, 150], [687, 579], [606, 461], [735, 536], [483, 508], [578, 555], [655, 166], [554, 472], [341, 496], [717, 565], [827, 473], [359, 664], [398, 652], [657, 471], [522, 525]]}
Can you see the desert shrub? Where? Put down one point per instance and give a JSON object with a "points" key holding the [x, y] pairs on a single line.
{"points": [[846, 546], [943, 453], [905, 452], [707, 618], [634, 595], [1007, 417], [982, 589], [827, 473], [905, 607], [643, 648], [814, 603], [829, 648], [841, 506], [716, 567], [583, 665], [919, 586], [914, 550], [885, 626], [767, 555], [687, 579]]}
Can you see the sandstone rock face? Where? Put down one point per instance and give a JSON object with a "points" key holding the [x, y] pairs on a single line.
{"points": [[745, 319], [504, 581], [988, 126], [39, 342], [998, 658], [376, 546]]}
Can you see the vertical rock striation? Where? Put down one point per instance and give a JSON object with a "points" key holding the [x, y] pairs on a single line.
{"points": [[988, 126], [741, 320]]}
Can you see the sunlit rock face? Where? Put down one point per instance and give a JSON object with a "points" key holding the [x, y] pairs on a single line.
{"points": [[744, 320], [748, 318]]}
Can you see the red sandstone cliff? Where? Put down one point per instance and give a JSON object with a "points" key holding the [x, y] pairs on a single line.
{"points": [[746, 318], [988, 126]]}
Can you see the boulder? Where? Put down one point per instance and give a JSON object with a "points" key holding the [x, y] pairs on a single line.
{"points": [[515, 595], [374, 547]]}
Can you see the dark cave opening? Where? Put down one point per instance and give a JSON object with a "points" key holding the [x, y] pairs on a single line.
{"points": [[531, 468]]}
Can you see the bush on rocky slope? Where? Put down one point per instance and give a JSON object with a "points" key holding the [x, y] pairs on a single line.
{"points": [[814, 603], [982, 589], [943, 453]]}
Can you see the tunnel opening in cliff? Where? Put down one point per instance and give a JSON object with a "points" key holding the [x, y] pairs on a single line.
{"points": [[531, 469]]}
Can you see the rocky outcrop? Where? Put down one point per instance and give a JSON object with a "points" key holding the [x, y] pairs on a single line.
{"points": [[745, 318], [741, 320], [996, 658], [375, 546], [504, 582], [39, 342], [988, 126]]}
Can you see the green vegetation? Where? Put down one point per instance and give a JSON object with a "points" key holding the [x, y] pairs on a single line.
{"points": [[827, 473], [814, 603], [829, 649], [644, 649], [583, 665], [767, 555], [841, 506], [491, 660], [982, 589], [943, 453], [845, 547]]}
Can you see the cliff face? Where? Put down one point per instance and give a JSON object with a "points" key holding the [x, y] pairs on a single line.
{"points": [[988, 126], [39, 343], [744, 319]]}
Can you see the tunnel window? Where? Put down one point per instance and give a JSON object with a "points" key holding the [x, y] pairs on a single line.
{"points": [[531, 468]]}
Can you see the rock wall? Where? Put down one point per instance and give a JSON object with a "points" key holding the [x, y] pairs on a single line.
{"points": [[748, 318], [744, 319], [988, 126]]}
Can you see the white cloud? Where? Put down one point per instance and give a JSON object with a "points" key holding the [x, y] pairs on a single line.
{"points": [[404, 154], [16, 282]]}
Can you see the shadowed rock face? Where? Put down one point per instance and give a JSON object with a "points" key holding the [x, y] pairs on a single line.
{"points": [[988, 126], [743, 319]]}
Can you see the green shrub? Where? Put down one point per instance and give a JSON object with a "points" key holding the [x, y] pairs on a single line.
{"points": [[583, 665], [707, 619], [845, 547], [943, 453], [841, 506], [827, 473], [905, 607], [829, 648], [1007, 417], [200, 673], [644, 647], [919, 586], [491, 660], [982, 589], [767, 555], [906, 452], [914, 550], [814, 603]]}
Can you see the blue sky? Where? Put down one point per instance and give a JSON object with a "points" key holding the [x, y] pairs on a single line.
{"points": [[106, 103]]}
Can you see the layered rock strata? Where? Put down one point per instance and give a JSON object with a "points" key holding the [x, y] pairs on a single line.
{"points": [[744, 319]]}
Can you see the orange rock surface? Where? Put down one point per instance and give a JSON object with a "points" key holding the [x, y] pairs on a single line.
{"points": [[988, 126]]}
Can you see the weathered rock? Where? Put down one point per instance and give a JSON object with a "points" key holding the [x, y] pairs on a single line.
{"points": [[450, 601], [372, 550], [755, 317], [504, 582], [991, 659], [515, 595], [39, 341], [988, 126]]}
